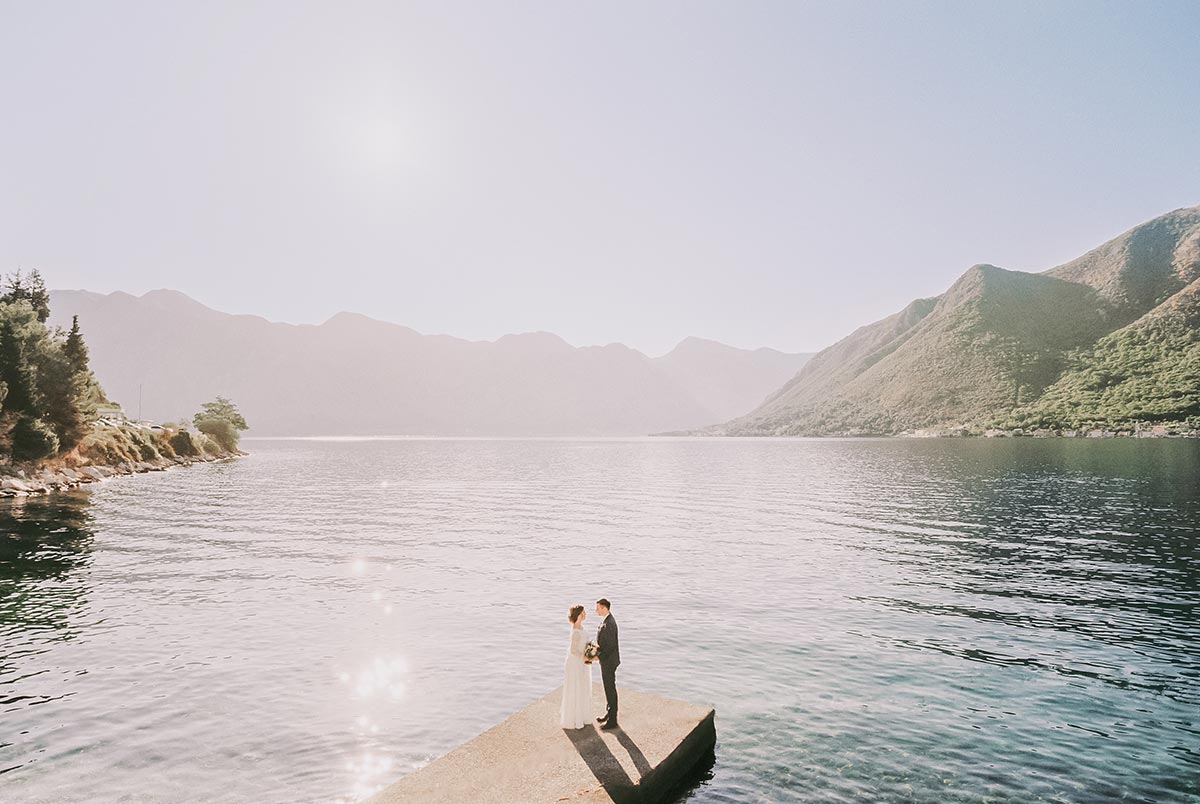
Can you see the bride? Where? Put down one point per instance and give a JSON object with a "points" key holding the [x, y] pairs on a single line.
{"points": [[576, 711]]}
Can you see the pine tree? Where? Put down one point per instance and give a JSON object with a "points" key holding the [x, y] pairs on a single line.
{"points": [[48, 396], [64, 393], [16, 370], [30, 289], [75, 349]]}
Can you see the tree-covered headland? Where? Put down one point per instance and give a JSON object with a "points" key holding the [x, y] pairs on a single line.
{"points": [[49, 397]]}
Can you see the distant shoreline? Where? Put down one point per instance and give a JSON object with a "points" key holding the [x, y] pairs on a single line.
{"points": [[716, 436], [1173, 431]]}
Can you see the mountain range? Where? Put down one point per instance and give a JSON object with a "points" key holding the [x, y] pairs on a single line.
{"points": [[1110, 338], [163, 354]]}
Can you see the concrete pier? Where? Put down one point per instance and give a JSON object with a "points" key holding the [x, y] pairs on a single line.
{"points": [[529, 759]]}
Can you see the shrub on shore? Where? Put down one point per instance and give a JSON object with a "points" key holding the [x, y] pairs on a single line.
{"points": [[32, 440], [114, 445], [184, 444], [222, 422], [210, 446], [219, 430]]}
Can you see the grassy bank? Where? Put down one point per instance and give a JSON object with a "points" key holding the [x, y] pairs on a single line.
{"points": [[107, 451]]}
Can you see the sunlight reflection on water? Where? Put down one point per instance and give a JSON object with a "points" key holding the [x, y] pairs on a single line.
{"points": [[878, 620]]}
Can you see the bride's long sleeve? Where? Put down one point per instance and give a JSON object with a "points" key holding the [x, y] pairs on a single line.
{"points": [[577, 642]]}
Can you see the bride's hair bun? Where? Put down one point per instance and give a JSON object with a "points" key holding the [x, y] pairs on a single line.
{"points": [[575, 612]]}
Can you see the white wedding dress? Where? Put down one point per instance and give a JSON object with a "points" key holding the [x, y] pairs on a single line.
{"points": [[576, 711]]}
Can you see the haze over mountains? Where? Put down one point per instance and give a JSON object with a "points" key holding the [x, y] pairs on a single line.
{"points": [[1109, 338], [354, 375]]}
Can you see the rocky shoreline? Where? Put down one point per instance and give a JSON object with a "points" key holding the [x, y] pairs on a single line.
{"points": [[28, 481], [1153, 431], [1139, 429], [953, 432]]}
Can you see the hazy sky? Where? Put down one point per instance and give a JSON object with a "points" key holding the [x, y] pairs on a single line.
{"points": [[758, 173]]}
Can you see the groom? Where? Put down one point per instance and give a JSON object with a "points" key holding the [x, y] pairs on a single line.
{"points": [[610, 657]]}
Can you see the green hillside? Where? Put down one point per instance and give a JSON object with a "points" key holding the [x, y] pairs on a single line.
{"points": [[1148, 371], [1109, 338]]}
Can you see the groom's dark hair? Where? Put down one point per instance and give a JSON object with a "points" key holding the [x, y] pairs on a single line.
{"points": [[604, 602]]}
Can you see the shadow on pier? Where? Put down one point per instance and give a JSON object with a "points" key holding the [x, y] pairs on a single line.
{"points": [[622, 788], [661, 753]]}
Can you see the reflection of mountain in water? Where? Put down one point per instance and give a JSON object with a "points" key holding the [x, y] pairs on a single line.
{"points": [[44, 543], [1058, 544]]}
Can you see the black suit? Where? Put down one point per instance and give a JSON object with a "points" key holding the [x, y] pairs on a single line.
{"points": [[610, 659]]}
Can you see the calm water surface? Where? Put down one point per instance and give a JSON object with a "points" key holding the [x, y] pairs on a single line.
{"points": [[931, 621]]}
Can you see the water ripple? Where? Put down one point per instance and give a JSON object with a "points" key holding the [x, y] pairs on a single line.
{"points": [[924, 621]]}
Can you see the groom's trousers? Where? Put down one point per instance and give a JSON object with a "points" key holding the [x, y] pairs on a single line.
{"points": [[608, 674]]}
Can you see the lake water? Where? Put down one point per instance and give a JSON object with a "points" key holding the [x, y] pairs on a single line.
{"points": [[874, 620]]}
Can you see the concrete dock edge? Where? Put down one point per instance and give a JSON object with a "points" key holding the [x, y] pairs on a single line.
{"points": [[529, 759]]}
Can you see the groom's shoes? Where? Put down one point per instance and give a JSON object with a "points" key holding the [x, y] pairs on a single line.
{"points": [[602, 719], [609, 725]]}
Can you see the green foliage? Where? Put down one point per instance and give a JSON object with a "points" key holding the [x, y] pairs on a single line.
{"points": [[29, 289], [1149, 372], [183, 444], [74, 349], [64, 393], [32, 440], [221, 408], [1111, 340], [222, 422], [993, 342], [44, 376], [20, 335], [219, 430], [210, 446]]}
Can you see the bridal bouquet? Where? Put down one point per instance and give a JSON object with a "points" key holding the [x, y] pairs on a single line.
{"points": [[590, 651]]}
